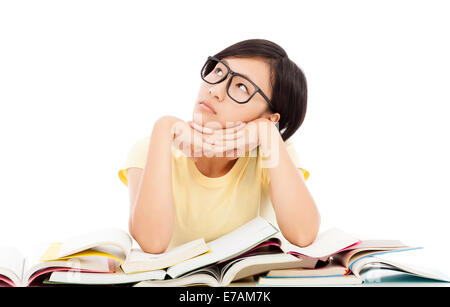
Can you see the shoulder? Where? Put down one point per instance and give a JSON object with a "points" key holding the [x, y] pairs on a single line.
{"points": [[292, 151]]}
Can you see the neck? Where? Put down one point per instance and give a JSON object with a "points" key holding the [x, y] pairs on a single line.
{"points": [[215, 166]]}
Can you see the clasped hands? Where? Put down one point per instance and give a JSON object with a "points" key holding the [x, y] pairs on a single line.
{"points": [[195, 140]]}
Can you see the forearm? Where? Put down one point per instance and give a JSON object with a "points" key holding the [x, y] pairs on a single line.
{"points": [[296, 212], [152, 216]]}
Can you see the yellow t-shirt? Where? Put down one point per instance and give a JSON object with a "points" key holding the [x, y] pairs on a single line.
{"points": [[208, 207]]}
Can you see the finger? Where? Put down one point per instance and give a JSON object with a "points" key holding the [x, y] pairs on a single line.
{"points": [[241, 144], [194, 126], [219, 138], [224, 146], [227, 134], [200, 128], [236, 126], [233, 128], [233, 136]]}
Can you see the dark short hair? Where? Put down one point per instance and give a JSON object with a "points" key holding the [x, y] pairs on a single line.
{"points": [[289, 88]]}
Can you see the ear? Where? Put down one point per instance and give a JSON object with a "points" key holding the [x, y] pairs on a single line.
{"points": [[273, 117]]}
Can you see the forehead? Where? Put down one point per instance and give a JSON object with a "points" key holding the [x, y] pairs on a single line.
{"points": [[256, 69]]}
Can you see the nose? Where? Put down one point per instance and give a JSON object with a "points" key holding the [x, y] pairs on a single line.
{"points": [[218, 90]]}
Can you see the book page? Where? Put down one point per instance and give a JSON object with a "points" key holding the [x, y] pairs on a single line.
{"points": [[254, 265], [328, 270], [32, 263], [238, 240], [417, 261], [326, 244], [119, 277], [228, 246], [200, 279], [176, 252], [102, 240], [138, 260], [11, 261], [346, 258], [380, 243], [310, 281]]}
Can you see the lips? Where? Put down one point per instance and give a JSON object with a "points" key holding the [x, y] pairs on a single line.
{"points": [[208, 106]]}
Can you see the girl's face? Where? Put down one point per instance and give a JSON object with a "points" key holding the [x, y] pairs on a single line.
{"points": [[225, 109]]}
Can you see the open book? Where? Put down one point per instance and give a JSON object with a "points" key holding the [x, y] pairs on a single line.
{"points": [[117, 244], [221, 275], [118, 277], [253, 248], [412, 263], [347, 267], [259, 231], [19, 271]]}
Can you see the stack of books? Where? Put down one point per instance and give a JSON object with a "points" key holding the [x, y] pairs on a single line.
{"points": [[371, 261], [256, 250]]}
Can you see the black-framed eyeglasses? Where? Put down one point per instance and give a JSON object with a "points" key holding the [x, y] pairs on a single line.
{"points": [[239, 88]]}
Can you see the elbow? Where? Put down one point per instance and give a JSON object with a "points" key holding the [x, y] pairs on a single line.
{"points": [[149, 244], [306, 237], [303, 241], [154, 249]]}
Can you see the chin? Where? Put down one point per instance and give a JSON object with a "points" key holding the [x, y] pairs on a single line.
{"points": [[208, 121]]}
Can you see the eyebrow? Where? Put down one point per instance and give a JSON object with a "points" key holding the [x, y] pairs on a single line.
{"points": [[226, 62]]}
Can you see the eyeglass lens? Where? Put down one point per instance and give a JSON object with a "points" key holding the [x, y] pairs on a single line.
{"points": [[240, 89]]}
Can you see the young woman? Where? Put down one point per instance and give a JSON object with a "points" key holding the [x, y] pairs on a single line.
{"points": [[232, 162]]}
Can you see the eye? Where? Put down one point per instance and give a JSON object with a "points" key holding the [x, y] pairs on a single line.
{"points": [[242, 87], [218, 71]]}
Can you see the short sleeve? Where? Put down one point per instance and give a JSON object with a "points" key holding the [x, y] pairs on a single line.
{"points": [[137, 157], [293, 154]]}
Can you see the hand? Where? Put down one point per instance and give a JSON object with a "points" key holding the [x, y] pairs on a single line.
{"points": [[188, 140], [230, 133], [235, 141]]}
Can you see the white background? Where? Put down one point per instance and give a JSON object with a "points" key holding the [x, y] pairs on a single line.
{"points": [[81, 81]]}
